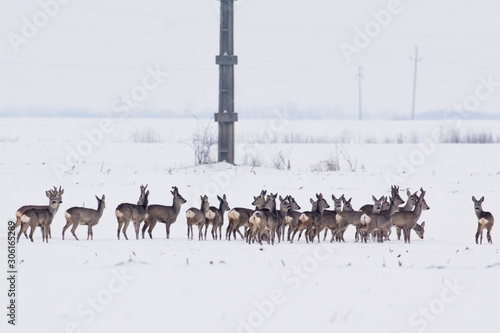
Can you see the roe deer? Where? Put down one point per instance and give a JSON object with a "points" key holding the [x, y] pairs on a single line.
{"points": [[407, 220], [163, 214], [292, 218], [41, 217], [485, 220], [329, 219], [264, 222], [126, 212], [215, 217], [281, 214], [52, 195], [410, 204], [85, 216], [420, 229], [377, 206], [380, 222], [347, 216], [238, 217], [195, 216], [313, 216]]}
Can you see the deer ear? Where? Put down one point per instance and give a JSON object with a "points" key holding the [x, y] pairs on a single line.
{"points": [[312, 201], [349, 201], [47, 194], [224, 197], [219, 198], [423, 224], [342, 197], [103, 197], [482, 199], [373, 198], [147, 193], [97, 198], [281, 199], [408, 193], [473, 198], [61, 192]]}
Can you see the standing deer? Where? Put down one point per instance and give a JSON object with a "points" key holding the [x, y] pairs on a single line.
{"points": [[380, 222], [239, 217], [85, 216], [377, 206], [264, 222], [345, 217], [313, 216], [215, 217], [163, 214], [407, 220], [485, 220], [195, 216], [410, 204], [329, 218], [291, 218], [52, 195], [41, 217], [127, 212]]}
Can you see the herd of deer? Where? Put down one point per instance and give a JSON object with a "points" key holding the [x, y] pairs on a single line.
{"points": [[263, 223]]}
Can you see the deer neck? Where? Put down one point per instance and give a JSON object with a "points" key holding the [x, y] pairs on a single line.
{"points": [[205, 207], [100, 210], [417, 211], [177, 206]]}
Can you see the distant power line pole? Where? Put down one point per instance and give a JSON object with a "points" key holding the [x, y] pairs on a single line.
{"points": [[359, 77], [416, 59]]}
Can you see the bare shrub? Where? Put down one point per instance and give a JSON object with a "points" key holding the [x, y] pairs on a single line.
{"points": [[281, 161], [353, 163], [330, 164], [203, 142], [252, 159], [146, 135]]}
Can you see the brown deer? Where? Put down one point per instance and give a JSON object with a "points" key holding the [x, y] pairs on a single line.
{"points": [[313, 216], [291, 218], [485, 220], [420, 229], [239, 217], [264, 222], [407, 220], [377, 206], [195, 216], [410, 204], [127, 212], [41, 217], [215, 217], [85, 216], [380, 222], [329, 218], [52, 195], [346, 217], [163, 214]]}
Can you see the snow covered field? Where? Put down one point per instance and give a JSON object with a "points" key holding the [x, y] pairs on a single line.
{"points": [[443, 282]]}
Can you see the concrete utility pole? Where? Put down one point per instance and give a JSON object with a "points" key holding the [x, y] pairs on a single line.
{"points": [[416, 59], [359, 76], [226, 117]]}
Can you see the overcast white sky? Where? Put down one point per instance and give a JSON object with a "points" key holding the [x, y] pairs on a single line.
{"points": [[289, 53]]}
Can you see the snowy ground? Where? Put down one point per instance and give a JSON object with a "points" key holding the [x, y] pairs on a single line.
{"points": [[444, 282]]}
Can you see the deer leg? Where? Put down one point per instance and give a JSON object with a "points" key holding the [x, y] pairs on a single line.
{"points": [[137, 227], [398, 232], [200, 232], [75, 225], [89, 232], [32, 231], [68, 223], [144, 227], [125, 226], [167, 229], [24, 227], [488, 235]]}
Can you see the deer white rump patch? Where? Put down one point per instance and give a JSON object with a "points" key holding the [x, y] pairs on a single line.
{"points": [[190, 214], [255, 219], [118, 213], [25, 219], [67, 215], [210, 215], [303, 218], [365, 219], [288, 219], [233, 214], [338, 218], [483, 221]]}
